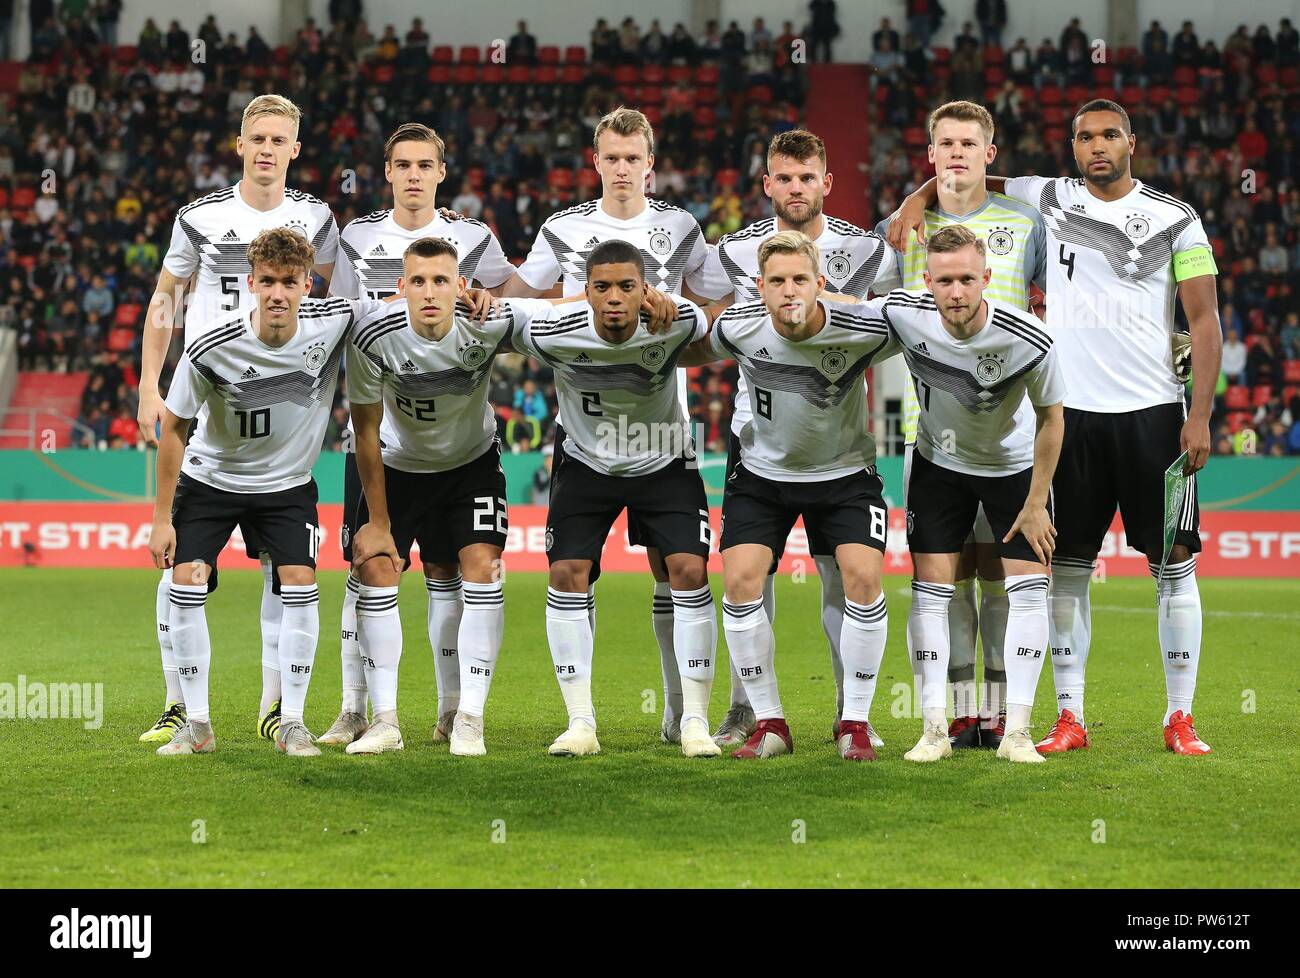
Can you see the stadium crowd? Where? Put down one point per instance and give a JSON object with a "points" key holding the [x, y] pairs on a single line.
{"points": [[101, 144]]}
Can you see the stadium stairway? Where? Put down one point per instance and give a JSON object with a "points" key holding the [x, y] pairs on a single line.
{"points": [[839, 109], [59, 397]]}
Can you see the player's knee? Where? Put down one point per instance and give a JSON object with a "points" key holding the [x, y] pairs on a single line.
{"points": [[570, 576], [297, 575], [378, 572], [687, 572], [441, 572], [481, 564], [659, 565]]}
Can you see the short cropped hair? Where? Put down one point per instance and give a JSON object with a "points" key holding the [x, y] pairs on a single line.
{"points": [[963, 112], [271, 105], [954, 237], [625, 122], [1102, 105], [798, 144], [789, 243], [615, 252], [430, 247], [414, 132], [282, 248]]}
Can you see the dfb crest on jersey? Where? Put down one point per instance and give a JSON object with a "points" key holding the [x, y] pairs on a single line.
{"points": [[834, 361], [299, 225], [660, 241], [989, 368], [314, 358], [1137, 227], [837, 264], [474, 355], [344, 534], [1001, 241], [911, 523], [550, 539], [653, 356]]}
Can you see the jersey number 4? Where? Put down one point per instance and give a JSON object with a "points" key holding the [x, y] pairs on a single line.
{"points": [[1067, 263]]}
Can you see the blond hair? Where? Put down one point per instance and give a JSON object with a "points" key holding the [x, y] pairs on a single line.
{"points": [[954, 237], [625, 122], [789, 243], [963, 112], [281, 248], [414, 132], [798, 144], [271, 105]]}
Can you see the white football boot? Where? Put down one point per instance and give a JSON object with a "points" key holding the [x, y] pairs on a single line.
{"points": [[189, 740], [577, 741], [933, 745], [379, 738], [736, 726], [467, 736], [442, 729], [695, 739], [294, 740], [1018, 746], [347, 728]]}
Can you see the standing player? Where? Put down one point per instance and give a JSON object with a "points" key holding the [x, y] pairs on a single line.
{"points": [[974, 360], [429, 467], [628, 446], [208, 259], [260, 382], [961, 149], [806, 452], [853, 260], [370, 264], [673, 251], [1119, 253]]}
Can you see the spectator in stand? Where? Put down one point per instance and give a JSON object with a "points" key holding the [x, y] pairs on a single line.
{"points": [[992, 17], [1234, 358], [1186, 47], [1150, 36], [531, 402], [522, 48], [523, 434], [885, 33], [824, 28], [681, 46], [123, 432], [1290, 336], [654, 46], [1272, 256], [1020, 62], [1260, 366]]}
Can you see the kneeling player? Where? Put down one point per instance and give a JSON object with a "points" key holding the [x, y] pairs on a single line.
{"points": [[806, 452], [974, 360], [429, 467], [627, 446], [267, 378]]}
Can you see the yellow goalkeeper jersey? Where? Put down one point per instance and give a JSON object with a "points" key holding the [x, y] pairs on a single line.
{"points": [[1015, 247]]}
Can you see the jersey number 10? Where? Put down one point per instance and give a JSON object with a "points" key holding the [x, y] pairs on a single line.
{"points": [[254, 424]]}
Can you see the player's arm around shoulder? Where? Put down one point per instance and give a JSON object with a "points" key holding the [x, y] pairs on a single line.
{"points": [[705, 348]]}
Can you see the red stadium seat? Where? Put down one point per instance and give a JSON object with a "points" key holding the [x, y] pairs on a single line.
{"points": [[1261, 395], [625, 75], [704, 116], [4, 198], [1126, 56], [1290, 392], [1076, 95], [24, 199], [547, 75], [127, 315], [995, 75], [654, 115], [477, 177], [1187, 97], [126, 54], [1290, 79], [1266, 75], [495, 74], [653, 75], [1056, 135], [1237, 398], [678, 73], [728, 178], [383, 74], [469, 55], [548, 54], [561, 178], [629, 95], [120, 340], [1131, 95], [759, 94], [465, 74], [1291, 372], [914, 137], [1110, 92], [1050, 95], [1157, 94], [707, 75], [993, 55], [941, 55], [440, 74], [1238, 420], [589, 180], [1103, 74], [1053, 115], [575, 54], [444, 54], [1184, 76], [519, 74], [573, 75], [650, 95]]}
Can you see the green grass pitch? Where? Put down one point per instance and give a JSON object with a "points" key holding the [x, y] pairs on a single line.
{"points": [[94, 808]]}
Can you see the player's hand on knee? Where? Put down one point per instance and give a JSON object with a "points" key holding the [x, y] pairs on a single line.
{"points": [[372, 542], [1036, 525], [661, 309], [162, 544], [1195, 441]]}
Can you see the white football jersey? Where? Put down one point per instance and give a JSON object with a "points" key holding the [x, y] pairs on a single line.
{"points": [[808, 400], [972, 392], [262, 410], [371, 249], [669, 239], [1112, 274], [853, 261], [435, 392], [619, 400], [211, 236]]}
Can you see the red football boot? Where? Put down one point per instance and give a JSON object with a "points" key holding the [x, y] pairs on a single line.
{"points": [[1180, 736], [874, 737], [854, 741], [964, 732], [992, 730], [771, 738], [1067, 733]]}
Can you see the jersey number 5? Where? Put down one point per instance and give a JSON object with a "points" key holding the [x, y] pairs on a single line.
{"points": [[229, 292]]}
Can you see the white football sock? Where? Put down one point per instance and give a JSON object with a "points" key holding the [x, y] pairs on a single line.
{"points": [[379, 633], [1179, 628], [1026, 642], [927, 641], [591, 609], [1069, 608], [769, 598], [191, 646], [299, 631], [833, 619], [661, 617], [753, 648], [738, 695], [354, 673], [445, 609], [993, 636], [862, 643], [962, 628], [271, 613], [695, 638], [482, 625], [163, 613], [568, 630]]}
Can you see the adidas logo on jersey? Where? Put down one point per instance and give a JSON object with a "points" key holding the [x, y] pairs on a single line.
{"points": [[230, 236], [378, 251], [582, 358], [250, 372], [593, 242], [920, 347], [1079, 207], [407, 367], [764, 354]]}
